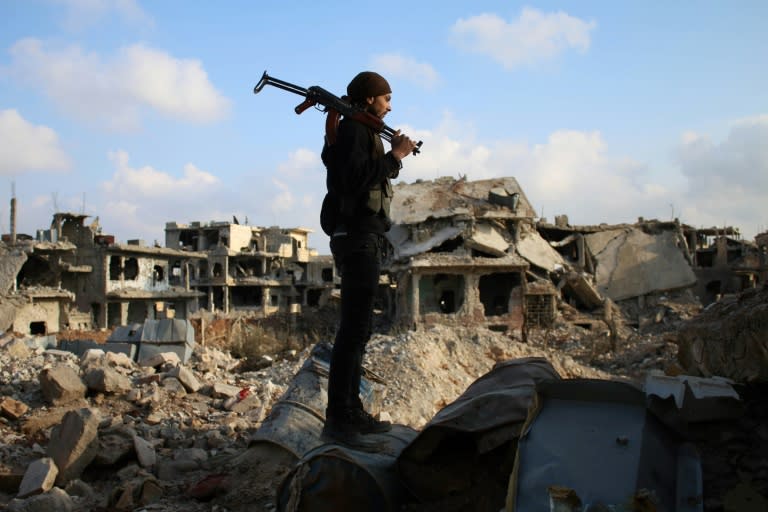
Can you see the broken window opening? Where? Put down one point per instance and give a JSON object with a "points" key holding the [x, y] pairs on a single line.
{"points": [[247, 296], [449, 245], [37, 328], [202, 269], [273, 300], [95, 313], [114, 268], [188, 240], [158, 274], [212, 239], [327, 274], [217, 270], [705, 258], [114, 314], [175, 275], [496, 292], [313, 297], [36, 271], [218, 298], [137, 312], [248, 267], [441, 293], [131, 270]]}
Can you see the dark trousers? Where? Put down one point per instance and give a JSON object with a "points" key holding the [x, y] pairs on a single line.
{"points": [[358, 258]]}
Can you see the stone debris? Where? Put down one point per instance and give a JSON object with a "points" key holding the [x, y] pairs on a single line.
{"points": [[39, 477], [177, 438], [74, 443], [61, 385]]}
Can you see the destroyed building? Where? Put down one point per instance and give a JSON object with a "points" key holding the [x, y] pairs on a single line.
{"points": [[72, 276], [474, 252], [249, 268], [454, 259]]}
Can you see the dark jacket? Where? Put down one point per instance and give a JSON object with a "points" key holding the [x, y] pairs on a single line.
{"points": [[359, 173]]}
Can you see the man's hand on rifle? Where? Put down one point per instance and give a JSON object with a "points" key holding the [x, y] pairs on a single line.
{"points": [[402, 145]]}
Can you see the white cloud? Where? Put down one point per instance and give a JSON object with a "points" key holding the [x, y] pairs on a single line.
{"points": [[81, 14], [571, 172], [406, 68], [728, 180], [534, 36], [149, 182], [299, 164], [136, 202], [114, 91], [28, 147]]}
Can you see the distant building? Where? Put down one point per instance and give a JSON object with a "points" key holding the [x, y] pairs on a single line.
{"points": [[95, 282], [249, 268], [454, 259]]}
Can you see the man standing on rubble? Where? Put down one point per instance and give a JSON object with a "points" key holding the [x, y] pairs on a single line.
{"points": [[359, 174]]}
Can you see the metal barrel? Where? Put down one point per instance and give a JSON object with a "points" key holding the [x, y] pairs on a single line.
{"points": [[339, 478], [296, 420]]}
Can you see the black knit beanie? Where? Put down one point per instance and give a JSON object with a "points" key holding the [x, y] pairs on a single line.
{"points": [[367, 84]]}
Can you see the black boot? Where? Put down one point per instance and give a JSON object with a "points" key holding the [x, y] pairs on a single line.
{"points": [[349, 427]]}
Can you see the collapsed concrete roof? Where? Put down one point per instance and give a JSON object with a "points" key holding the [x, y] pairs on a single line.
{"points": [[448, 197], [631, 263]]}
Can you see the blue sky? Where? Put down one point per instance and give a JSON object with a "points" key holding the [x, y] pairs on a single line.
{"points": [[142, 113]]}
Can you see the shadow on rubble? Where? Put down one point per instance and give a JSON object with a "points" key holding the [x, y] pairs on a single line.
{"points": [[518, 438]]}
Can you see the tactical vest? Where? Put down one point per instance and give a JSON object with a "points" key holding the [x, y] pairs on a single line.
{"points": [[380, 195]]}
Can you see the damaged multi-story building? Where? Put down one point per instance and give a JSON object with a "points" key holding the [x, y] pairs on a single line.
{"points": [[256, 269], [72, 276], [475, 253], [463, 252], [453, 253]]}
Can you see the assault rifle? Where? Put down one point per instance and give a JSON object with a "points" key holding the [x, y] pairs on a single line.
{"points": [[333, 106]]}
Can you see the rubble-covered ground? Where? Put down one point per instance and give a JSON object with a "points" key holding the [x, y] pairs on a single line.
{"points": [[168, 431]]}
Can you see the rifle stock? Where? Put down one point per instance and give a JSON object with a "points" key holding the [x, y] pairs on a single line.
{"points": [[331, 105]]}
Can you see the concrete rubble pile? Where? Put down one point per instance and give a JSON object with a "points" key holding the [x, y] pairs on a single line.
{"points": [[101, 432]]}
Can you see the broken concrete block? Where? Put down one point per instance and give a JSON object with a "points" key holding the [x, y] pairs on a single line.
{"points": [[630, 263], [39, 477], [81, 489], [174, 387], [145, 452], [119, 359], [55, 499], [160, 359], [107, 380], [485, 238], [61, 385], [115, 444], [74, 443], [12, 409], [222, 390], [186, 377], [251, 401], [92, 356], [17, 348], [150, 492], [34, 424]]}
